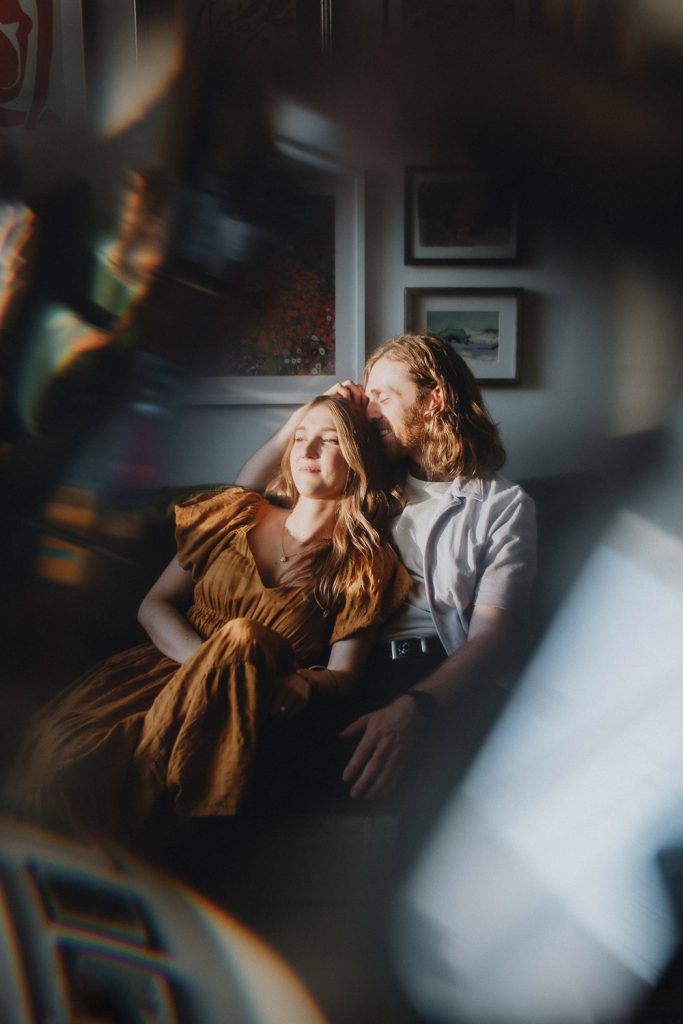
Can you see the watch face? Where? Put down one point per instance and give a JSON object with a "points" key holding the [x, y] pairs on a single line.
{"points": [[27, 33]]}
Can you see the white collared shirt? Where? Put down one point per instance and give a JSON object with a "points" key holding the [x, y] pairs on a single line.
{"points": [[409, 532], [478, 543]]}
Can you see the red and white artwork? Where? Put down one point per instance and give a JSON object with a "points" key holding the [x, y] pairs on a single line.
{"points": [[28, 89]]}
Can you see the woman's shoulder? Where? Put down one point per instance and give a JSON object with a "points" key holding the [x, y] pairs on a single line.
{"points": [[386, 586], [386, 564], [224, 503], [206, 522]]}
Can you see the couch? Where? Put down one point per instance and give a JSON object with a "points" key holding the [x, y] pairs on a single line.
{"points": [[327, 847]]}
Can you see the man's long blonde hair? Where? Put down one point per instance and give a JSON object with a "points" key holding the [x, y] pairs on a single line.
{"points": [[461, 440], [347, 568]]}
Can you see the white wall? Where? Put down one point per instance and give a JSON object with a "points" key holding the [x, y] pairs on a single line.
{"points": [[599, 344], [558, 408], [586, 371], [551, 422], [648, 371]]}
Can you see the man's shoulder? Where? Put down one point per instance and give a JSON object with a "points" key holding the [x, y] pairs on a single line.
{"points": [[495, 489], [499, 485]]}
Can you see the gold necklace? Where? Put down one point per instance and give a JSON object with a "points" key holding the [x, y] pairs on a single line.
{"points": [[285, 557]]}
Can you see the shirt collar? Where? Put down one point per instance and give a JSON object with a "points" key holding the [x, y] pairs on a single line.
{"points": [[418, 490], [467, 488]]}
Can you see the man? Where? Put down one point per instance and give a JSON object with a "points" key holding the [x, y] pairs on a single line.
{"points": [[466, 535]]}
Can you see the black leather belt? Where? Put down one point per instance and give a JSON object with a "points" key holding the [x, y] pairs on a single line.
{"points": [[412, 647]]}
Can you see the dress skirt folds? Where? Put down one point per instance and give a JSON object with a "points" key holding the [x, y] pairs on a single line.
{"points": [[140, 733]]}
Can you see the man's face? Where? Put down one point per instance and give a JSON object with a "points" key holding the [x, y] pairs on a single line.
{"points": [[396, 409]]}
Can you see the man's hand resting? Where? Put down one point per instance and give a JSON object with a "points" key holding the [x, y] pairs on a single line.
{"points": [[387, 738]]}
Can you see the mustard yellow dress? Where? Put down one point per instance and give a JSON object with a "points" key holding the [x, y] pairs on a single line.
{"points": [[139, 730]]}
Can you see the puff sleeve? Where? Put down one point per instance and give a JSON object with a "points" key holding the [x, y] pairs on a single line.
{"points": [[206, 524], [378, 603]]}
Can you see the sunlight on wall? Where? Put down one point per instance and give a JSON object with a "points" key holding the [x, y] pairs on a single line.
{"points": [[544, 894], [131, 83], [647, 370]]}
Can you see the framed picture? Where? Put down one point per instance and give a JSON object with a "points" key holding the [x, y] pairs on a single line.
{"points": [[42, 83], [482, 325], [457, 215], [311, 333]]}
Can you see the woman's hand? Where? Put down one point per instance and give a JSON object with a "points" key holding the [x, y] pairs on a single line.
{"points": [[351, 391], [290, 696]]}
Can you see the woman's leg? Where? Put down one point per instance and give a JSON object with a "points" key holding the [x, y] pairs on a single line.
{"points": [[71, 768], [198, 740]]}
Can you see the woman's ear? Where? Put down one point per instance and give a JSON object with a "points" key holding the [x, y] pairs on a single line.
{"points": [[434, 401]]}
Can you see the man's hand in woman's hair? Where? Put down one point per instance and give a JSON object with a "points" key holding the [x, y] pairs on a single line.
{"points": [[289, 696]]}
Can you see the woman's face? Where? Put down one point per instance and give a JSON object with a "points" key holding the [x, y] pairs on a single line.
{"points": [[318, 467]]}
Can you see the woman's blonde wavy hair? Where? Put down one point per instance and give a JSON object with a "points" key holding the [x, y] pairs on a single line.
{"points": [[347, 569], [461, 440]]}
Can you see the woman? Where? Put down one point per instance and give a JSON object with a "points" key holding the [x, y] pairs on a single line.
{"points": [[261, 591]]}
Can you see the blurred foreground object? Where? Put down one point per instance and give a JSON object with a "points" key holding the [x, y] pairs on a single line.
{"points": [[89, 936], [550, 889], [17, 237]]}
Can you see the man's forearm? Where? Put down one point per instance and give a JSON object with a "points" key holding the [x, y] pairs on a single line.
{"points": [[386, 737], [263, 465], [480, 658]]}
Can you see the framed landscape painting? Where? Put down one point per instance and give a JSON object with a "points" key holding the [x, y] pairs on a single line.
{"points": [[458, 215], [482, 325]]}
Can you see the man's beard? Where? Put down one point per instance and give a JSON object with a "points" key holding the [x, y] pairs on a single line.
{"points": [[409, 442]]}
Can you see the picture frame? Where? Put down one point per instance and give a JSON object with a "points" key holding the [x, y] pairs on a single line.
{"points": [[44, 85], [482, 324], [348, 193], [456, 214]]}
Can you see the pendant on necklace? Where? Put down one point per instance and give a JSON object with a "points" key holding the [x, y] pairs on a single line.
{"points": [[284, 558]]}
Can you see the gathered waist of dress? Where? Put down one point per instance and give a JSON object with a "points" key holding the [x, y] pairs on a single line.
{"points": [[309, 645], [207, 620]]}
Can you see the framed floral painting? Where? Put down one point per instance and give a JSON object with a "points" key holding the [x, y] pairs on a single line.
{"points": [[309, 334]]}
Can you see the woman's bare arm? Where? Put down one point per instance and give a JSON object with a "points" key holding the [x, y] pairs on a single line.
{"points": [[291, 694], [161, 613], [347, 658], [258, 470]]}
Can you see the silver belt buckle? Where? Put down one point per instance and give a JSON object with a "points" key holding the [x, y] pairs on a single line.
{"points": [[405, 647]]}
